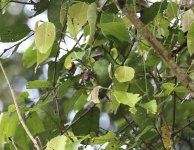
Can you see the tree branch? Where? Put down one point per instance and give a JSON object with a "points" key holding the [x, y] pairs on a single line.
{"points": [[159, 48], [18, 111]]}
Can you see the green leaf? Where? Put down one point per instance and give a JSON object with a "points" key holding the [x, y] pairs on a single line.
{"points": [[68, 62], [151, 106], [187, 19], [12, 127], [22, 96], [145, 130], [172, 10], [29, 56], [110, 136], [63, 13], [91, 17], [101, 71], [116, 30], [57, 143], [113, 105], [42, 84], [73, 145], [126, 98], [50, 119], [13, 33], [3, 125], [45, 37], [40, 105], [57, 14], [190, 37], [149, 13], [35, 124], [120, 86], [77, 17], [114, 145], [127, 22], [87, 123], [64, 87], [42, 57], [77, 102], [124, 73], [108, 17], [181, 89], [168, 86], [63, 143]]}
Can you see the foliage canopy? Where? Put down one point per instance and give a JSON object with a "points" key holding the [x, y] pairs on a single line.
{"points": [[125, 82]]}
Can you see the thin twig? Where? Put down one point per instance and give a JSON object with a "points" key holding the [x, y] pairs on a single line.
{"points": [[25, 3], [18, 111], [173, 117], [129, 49], [13, 143], [5, 50], [176, 132]]}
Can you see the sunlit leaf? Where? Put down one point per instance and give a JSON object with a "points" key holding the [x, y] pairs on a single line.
{"points": [[116, 30], [126, 98], [172, 10], [168, 86], [57, 143], [40, 105], [39, 84], [63, 13], [77, 17], [22, 96], [190, 37], [187, 19], [124, 73], [127, 22], [68, 62], [42, 57], [91, 17], [151, 106], [29, 56], [3, 124], [45, 37], [104, 138]]}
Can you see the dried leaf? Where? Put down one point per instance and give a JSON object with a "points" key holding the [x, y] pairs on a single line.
{"points": [[95, 93]]}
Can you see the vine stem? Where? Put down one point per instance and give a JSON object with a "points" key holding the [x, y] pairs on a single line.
{"points": [[21, 120]]}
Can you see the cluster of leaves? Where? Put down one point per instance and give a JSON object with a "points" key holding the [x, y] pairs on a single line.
{"points": [[110, 69]]}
